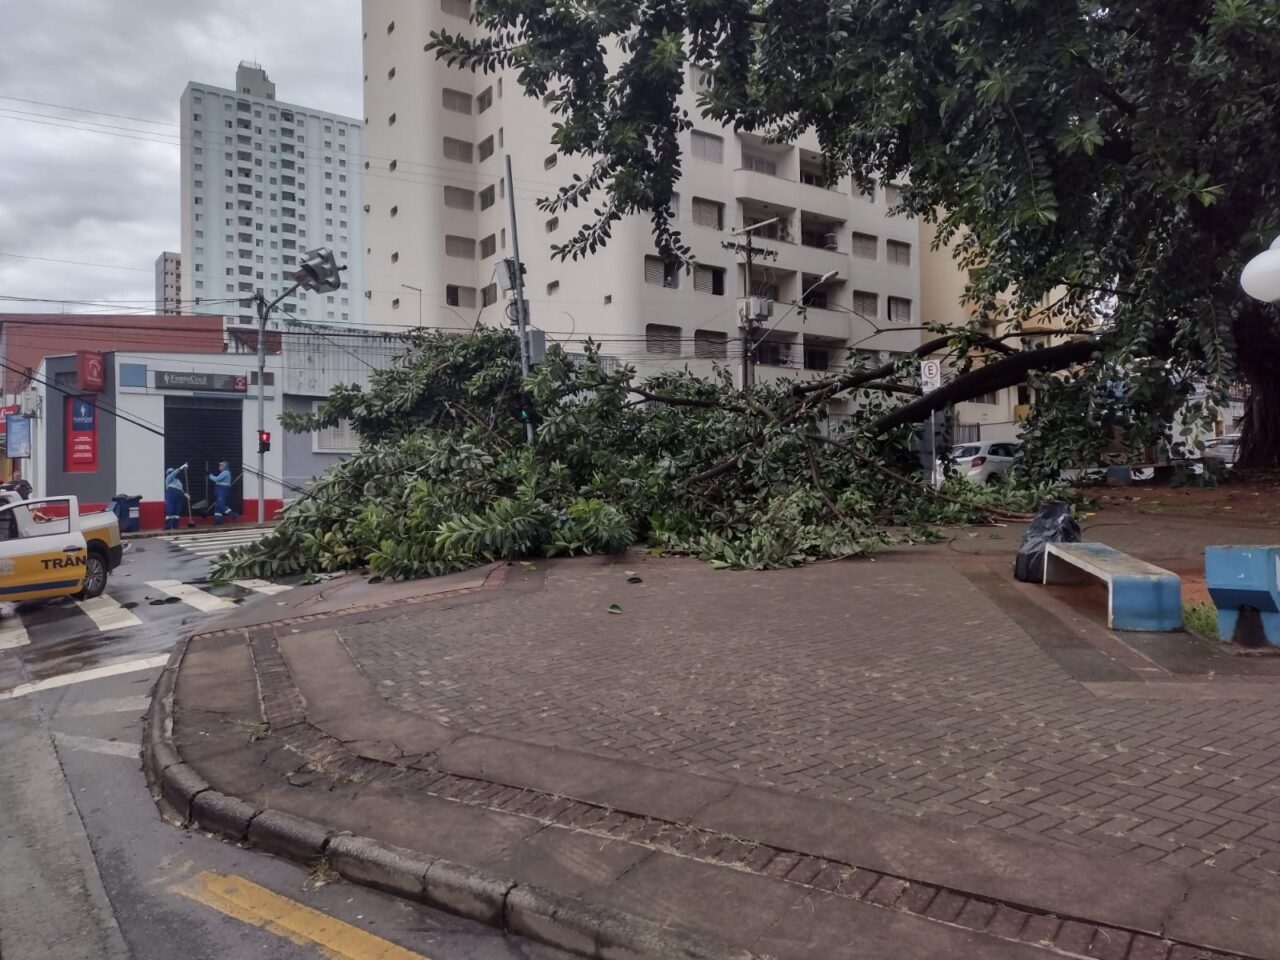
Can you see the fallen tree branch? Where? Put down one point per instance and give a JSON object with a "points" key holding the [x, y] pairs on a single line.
{"points": [[923, 487], [994, 376], [822, 492]]}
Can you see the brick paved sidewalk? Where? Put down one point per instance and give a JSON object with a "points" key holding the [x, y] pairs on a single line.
{"points": [[918, 734], [899, 682]]}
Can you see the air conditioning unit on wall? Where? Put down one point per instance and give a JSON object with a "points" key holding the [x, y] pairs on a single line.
{"points": [[832, 241]]}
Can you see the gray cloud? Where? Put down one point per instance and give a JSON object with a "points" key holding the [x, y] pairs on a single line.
{"points": [[109, 194]]}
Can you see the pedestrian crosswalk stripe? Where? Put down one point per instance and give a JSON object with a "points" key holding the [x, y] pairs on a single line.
{"points": [[12, 632], [96, 673], [192, 596], [107, 614], [262, 586]]}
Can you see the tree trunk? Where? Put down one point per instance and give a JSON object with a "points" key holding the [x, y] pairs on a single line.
{"points": [[1258, 356]]}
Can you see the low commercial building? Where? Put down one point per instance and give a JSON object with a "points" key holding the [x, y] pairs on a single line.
{"points": [[116, 434]]}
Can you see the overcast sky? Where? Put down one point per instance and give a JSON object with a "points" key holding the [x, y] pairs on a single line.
{"points": [[107, 192]]}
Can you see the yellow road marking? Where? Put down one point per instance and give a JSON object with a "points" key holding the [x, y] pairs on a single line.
{"points": [[249, 903]]}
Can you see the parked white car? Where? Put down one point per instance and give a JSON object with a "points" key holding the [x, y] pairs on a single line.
{"points": [[984, 461], [1223, 448]]}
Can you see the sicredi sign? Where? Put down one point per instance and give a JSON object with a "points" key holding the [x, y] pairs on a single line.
{"points": [[202, 382]]}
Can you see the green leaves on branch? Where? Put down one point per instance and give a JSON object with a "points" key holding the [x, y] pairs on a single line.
{"points": [[444, 481]]}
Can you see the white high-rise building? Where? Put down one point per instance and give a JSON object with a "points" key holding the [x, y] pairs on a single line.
{"points": [[437, 224], [168, 282], [263, 181]]}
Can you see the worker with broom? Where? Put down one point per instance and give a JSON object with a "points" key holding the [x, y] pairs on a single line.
{"points": [[174, 495], [222, 494]]}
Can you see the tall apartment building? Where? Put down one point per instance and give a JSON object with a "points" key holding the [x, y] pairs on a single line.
{"points": [[437, 224], [263, 181], [168, 282]]}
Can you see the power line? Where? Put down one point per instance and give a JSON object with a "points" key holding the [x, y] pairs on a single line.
{"points": [[79, 263]]}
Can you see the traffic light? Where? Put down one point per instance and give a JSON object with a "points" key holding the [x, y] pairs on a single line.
{"points": [[264, 441]]}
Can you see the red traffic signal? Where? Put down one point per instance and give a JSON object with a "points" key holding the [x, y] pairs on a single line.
{"points": [[264, 441]]}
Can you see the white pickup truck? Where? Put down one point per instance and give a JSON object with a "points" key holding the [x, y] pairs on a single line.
{"points": [[47, 549]]}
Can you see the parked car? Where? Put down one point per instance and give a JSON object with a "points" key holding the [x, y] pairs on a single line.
{"points": [[1223, 448], [47, 549], [984, 461]]}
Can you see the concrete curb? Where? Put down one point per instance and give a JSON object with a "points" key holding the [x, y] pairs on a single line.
{"points": [[524, 909]]}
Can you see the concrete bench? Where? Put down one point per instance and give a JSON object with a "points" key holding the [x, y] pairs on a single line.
{"points": [[1140, 595]]}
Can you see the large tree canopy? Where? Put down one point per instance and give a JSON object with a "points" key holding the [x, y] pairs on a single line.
{"points": [[1126, 153], [444, 478]]}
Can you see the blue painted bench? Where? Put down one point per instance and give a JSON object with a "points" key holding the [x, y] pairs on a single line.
{"points": [[1140, 595], [1244, 577]]}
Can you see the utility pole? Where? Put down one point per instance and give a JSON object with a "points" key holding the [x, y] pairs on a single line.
{"points": [[518, 284], [749, 319], [264, 310], [418, 291], [319, 272]]}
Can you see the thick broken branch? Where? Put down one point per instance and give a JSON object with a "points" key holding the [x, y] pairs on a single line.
{"points": [[1008, 372]]}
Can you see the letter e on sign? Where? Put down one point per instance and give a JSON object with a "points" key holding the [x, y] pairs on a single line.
{"points": [[930, 375]]}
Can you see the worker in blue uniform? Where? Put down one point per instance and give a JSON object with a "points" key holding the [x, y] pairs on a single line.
{"points": [[222, 494], [174, 495]]}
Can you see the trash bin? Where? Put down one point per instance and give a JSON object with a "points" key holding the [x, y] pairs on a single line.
{"points": [[128, 510]]}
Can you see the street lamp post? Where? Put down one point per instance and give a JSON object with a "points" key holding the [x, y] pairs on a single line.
{"points": [[318, 272], [418, 291], [1261, 275]]}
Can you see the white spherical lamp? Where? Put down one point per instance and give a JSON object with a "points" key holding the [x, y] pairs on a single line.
{"points": [[1261, 275]]}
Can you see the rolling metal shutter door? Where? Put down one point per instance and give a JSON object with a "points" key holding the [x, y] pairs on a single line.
{"points": [[200, 431]]}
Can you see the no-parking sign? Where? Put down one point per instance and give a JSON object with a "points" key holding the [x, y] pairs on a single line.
{"points": [[930, 375]]}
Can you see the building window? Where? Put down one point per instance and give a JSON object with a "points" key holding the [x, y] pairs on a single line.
{"points": [[463, 247], [395, 257], [390, 76], [759, 163], [550, 161], [898, 252], [552, 225], [460, 199], [459, 150], [485, 100], [489, 295], [339, 438], [390, 166], [391, 27], [989, 397], [708, 213], [488, 246], [866, 304], [456, 100], [706, 146], [710, 344], [662, 339], [892, 194], [553, 288], [391, 120], [662, 273], [456, 8], [864, 245], [486, 197], [394, 211], [816, 358], [457, 296], [708, 280], [395, 304], [486, 148], [899, 310]]}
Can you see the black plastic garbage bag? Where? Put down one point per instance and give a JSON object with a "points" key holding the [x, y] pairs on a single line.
{"points": [[1051, 524]]}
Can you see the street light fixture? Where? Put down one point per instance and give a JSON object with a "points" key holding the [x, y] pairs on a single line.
{"points": [[320, 273], [1261, 275]]}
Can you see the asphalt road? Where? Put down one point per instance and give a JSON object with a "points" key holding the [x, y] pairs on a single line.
{"points": [[93, 873]]}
